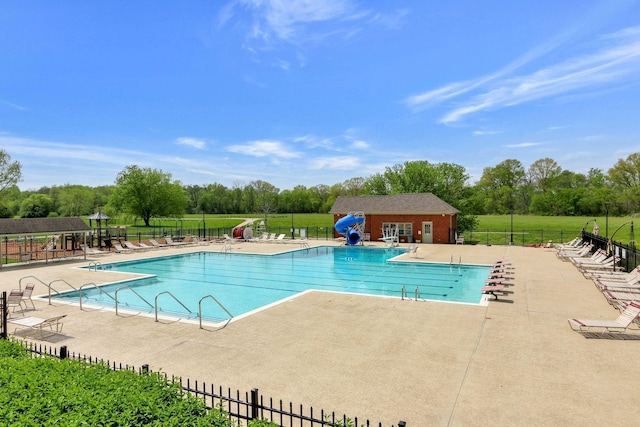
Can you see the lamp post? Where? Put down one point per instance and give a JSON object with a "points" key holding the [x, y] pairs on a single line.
{"points": [[606, 223], [511, 224], [292, 229]]}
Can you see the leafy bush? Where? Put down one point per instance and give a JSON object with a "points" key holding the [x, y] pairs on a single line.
{"points": [[44, 391]]}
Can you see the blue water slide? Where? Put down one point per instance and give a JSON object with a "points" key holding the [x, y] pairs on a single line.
{"points": [[343, 226]]}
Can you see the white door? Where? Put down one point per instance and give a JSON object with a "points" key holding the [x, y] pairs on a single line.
{"points": [[427, 235]]}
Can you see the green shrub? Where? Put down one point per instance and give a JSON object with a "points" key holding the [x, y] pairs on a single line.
{"points": [[44, 391]]}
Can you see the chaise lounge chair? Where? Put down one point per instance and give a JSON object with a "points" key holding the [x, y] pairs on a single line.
{"points": [[603, 327], [52, 324], [155, 244], [120, 249]]}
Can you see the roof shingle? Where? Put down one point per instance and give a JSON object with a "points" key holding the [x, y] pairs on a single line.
{"points": [[417, 203]]}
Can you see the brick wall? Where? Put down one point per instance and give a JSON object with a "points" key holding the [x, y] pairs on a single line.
{"points": [[442, 231]]}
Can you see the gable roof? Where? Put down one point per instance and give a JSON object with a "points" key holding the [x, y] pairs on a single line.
{"points": [[42, 225], [417, 203]]}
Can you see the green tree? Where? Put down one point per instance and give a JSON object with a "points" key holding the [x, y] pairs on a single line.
{"points": [[542, 173], [147, 193], [74, 200], [10, 172], [500, 183], [625, 177], [36, 206]]}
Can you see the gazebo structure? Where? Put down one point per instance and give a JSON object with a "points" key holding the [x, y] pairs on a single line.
{"points": [[41, 239], [103, 238]]}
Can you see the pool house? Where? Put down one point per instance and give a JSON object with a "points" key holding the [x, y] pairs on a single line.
{"points": [[414, 218]]}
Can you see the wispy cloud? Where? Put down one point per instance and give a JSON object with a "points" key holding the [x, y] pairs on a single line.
{"points": [[192, 142], [12, 105], [264, 149], [615, 60], [335, 163], [486, 132], [300, 22], [524, 145]]}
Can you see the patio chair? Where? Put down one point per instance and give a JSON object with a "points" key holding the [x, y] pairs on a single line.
{"points": [[93, 251], [170, 242], [412, 251], [155, 244], [619, 325], [26, 295], [132, 246], [52, 324], [280, 238], [15, 300], [119, 249]]}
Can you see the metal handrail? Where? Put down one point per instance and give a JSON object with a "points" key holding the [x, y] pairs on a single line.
{"points": [[29, 277], [417, 293], [97, 265], [404, 292], [58, 280], [131, 289], [217, 302], [226, 248], [175, 299], [102, 291]]}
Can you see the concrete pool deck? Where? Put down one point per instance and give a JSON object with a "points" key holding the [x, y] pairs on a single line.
{"points": [[384, 359]]}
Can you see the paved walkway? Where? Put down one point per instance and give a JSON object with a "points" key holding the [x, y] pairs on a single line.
{"points": [[427, 363]]}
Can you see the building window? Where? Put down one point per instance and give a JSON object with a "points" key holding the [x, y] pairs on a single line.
{"points": [[403, 228]]}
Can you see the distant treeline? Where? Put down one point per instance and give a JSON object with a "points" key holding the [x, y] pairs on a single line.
{"points": [[541, 189]]}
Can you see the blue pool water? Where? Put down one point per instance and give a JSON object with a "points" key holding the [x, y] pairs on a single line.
{"points": [[245, 282]]}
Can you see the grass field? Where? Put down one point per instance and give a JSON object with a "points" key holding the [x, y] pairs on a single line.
{"points": [[492, 229]]}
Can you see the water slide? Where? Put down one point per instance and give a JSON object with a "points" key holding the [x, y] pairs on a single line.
{"points": [[345, 226]]}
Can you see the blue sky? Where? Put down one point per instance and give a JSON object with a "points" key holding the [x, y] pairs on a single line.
{"points": [[314, 92]]}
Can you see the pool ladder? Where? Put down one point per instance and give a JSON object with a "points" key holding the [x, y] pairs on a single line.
{"points": [[416, 293], [95, 266], [459, 260], [155, 306]]}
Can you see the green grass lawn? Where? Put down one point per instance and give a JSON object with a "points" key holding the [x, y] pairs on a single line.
{"points": [[492, 229]]}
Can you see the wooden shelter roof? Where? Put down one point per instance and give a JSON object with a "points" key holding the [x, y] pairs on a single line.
{"points": [[396, 204], [10, 226]]}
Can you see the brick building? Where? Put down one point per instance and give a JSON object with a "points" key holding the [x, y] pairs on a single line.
{"points": [[420, 217]]}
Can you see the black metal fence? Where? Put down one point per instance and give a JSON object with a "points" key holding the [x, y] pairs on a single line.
{"points": [[240, 406], [628, 253]]}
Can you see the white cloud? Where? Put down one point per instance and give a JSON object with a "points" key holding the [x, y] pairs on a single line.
{"points": [[264, 149], [524, 145], [359, 144], [337, 163], [486, 132], [192, 142], [617, 61]]}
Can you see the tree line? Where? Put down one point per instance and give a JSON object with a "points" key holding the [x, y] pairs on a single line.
{"points": [[543, 188]]}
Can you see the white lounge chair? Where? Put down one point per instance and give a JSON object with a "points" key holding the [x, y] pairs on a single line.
{"points": [[280, 238], [52, 324], [120, 249], [228, 239], [155, 244], [170, 242], [93, 251], [132, 246], [621, 324]]}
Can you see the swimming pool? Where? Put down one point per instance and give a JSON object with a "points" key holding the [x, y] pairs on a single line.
{"points": [[245, 282]]}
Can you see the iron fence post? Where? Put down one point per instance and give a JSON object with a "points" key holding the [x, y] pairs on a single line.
{"points": [[5, 311], [254, 403], [63, 352]]}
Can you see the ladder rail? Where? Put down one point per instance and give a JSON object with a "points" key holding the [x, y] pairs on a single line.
{"points": [[132, 290], [174, 298], [217, 302], [99, 288]]}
